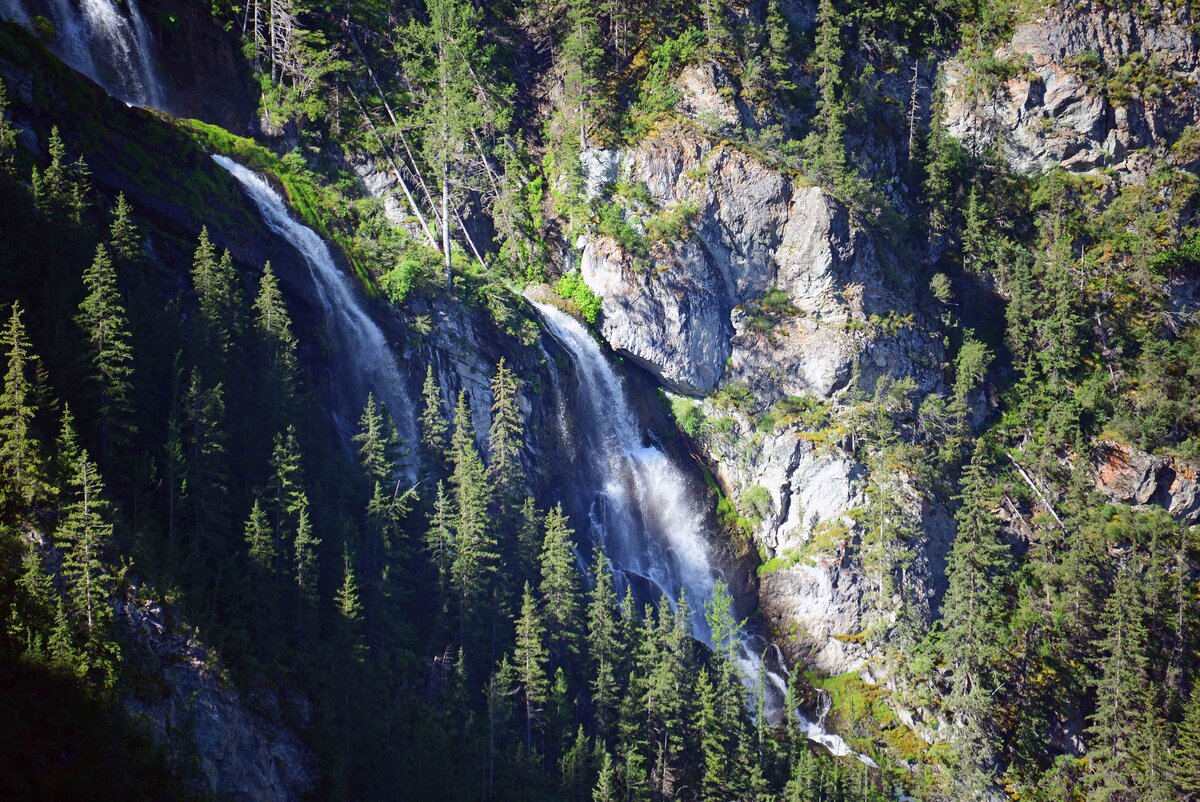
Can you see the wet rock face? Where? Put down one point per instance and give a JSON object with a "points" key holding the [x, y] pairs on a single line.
{"points": [[1092, 84], [224, 744], [1131, 476]]}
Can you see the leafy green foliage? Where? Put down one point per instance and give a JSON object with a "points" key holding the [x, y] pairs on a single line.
{"points": [[571, 287]]}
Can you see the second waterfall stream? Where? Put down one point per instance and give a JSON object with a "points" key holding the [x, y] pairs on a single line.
{"points": [[359, 344], [651, 526]]}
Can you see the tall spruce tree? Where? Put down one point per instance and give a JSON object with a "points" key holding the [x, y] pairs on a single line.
{"points": [[433, 419], [20, 465], [85, 535], [1122, 692], [560, 587], [106, 330], [603, 645], [973, 618], [530, 661], [504, 439]]}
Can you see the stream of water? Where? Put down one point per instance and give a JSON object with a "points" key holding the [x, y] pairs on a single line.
{"points": [[109, 43], [651, 524], [357, 342]]}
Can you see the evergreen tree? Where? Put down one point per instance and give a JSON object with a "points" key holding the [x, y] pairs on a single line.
{"points": [[39, 597], [377, 442], [8, 137], [1187, 748], [263, 564], [84, 536], [475, 557], [504, 438], [443, 59], [20, 468], [52, 188], [207, 473], [529, 539], [219, 296], [973, 617], [560, 586], [349, 606], [305, 548], [710, 726], [274, 327], [124, 240], [106, 329], [285, 490], [580, 58], [439, 538], [1122, 692], [433, 421], [605, 789], [603, 644], [828, 155], [529, 660]]}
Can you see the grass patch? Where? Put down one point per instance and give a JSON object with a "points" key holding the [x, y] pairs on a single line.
{"points": [[321, 208]]}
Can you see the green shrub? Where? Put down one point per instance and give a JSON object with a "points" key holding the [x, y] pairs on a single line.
{"points": [[756, 502], [734, 394], [673, 225], [689, 416], [572, 287], [412, 272]]}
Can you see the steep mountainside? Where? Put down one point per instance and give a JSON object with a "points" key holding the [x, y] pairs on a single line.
{"points": [[747, 399]]}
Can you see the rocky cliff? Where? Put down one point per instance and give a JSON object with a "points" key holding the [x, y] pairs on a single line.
{"points": [[774, 294], [1084, 86]]}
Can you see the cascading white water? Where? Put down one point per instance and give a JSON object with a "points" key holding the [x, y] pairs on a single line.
{"points": [[649, 523], [110, 44], [357, 340]]}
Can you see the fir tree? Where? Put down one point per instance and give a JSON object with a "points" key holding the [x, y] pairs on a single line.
{"points": [[439, 538], [603, 644], [529, 660], [377, 443], [605, 789], [124, 239], [829, 154], [106, 329], [973, 611], [207, 473], [263, 563], [433, 421], [529, 539], [305, 550], [475, 557], [8, 137], [1122, 701], [504, 438], [560, 586], [1187, 748], [580, 60], [52, 188], [84, 536], [274, 327], [710, 726], [19, 461]]}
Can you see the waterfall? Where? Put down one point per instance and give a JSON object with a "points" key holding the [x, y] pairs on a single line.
{"points": [[652, 528], [110, 44], [357, 341]]}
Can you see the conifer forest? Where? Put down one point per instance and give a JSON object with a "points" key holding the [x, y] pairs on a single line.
{"points": [[600, 400]]}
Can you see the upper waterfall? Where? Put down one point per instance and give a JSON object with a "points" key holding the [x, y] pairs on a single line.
{"points": [[357, 340], [109, 42]]}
